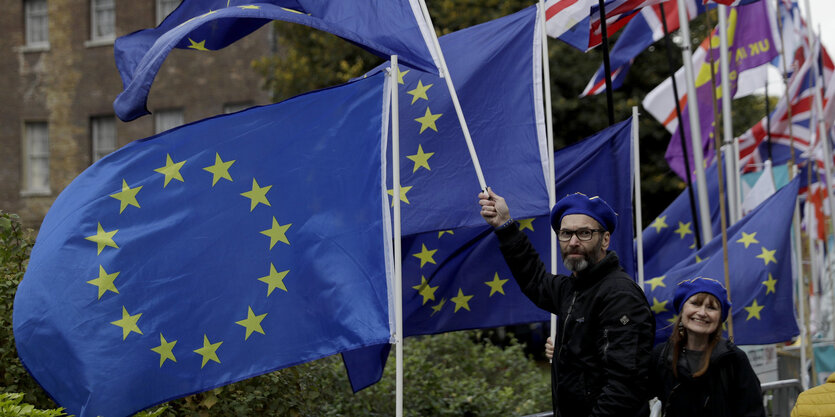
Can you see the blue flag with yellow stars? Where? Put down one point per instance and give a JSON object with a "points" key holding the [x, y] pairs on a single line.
{"points": [[671, 236], [383, 27], [496, 69], [457, 279], [760, 266], [212, 253]]}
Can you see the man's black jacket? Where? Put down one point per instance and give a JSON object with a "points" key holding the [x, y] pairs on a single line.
{"points": [[605, 331]]}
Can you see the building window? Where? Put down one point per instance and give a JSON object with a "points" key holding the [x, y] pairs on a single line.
{"points": [[164, 8], [37, 23], [104, 136], [167, 119], [236, 107], [36, 161], [103, 20]]}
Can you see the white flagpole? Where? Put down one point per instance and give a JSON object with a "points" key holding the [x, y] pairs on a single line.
{"points": [[798, 273], [549, 129], [724, 70], [444, 72], [636, 179], [398, 267], [695, 128]]}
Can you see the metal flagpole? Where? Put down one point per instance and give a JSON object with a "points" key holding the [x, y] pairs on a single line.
{"points": [[636, 178], [444, 72], [724, 71], [695, 128], [804, 375], [549, 129], [607, 68], [398, 272]]}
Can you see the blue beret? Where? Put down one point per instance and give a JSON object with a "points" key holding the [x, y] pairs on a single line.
{"points": [[691, 287], [579, 203]]}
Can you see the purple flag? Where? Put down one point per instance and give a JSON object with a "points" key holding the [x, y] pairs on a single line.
{"points": [[751, 44]]}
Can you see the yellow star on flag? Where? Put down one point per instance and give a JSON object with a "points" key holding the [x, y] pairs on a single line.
{"points": [[165, 350], [659, 223], [252, 323], [656, 282], [219, 170], [525, 224], [400, 75], [683, 230], [496, 285], [425, 290], [127, 323], [461, 301], [767, 255], [748, 238], [199, 46], [425, 255], [257, 195], [419, 92], [127, 197], [251, 7], [274, 280], [699, 259], [104, 282], [403, 191], [673, 319], [753, 310], [659, 307], [208, 351], [277, 233], [421, 159], [102, 239], [171, 170], [770, 284], [437, 307], [428, 120], [442, 232]]}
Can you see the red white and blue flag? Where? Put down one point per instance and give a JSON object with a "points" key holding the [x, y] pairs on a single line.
{"points": [[586, 33], [642, 31]]}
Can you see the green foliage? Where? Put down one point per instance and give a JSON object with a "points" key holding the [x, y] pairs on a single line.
{"points": [[11, 405], [453, 374], [15, 245]]}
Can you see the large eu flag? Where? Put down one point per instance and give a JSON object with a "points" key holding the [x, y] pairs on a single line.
{"points": [[760, 267], [383, 27], [211, 253]]}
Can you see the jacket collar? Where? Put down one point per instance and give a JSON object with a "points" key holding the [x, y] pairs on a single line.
{"points": [[595, 272]]}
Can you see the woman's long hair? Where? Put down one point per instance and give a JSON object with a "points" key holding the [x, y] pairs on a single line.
{"points": [[679, 338]]}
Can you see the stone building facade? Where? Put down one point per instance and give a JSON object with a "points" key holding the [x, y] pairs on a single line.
{"points": [[58, 80]]}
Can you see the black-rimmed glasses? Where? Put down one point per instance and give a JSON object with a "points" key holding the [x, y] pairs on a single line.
{"points": [[584, 235]]}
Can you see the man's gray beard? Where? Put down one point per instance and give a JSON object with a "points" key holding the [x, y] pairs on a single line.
{"points": [[577, 265]]}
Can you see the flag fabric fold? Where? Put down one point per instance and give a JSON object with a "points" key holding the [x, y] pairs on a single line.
{"points": [[212, 253], [760, 267], [383, 27], [496, 67]]}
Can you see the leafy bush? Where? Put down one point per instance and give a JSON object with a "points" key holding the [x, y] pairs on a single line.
{"points": [[11, 405], [454, 374]]}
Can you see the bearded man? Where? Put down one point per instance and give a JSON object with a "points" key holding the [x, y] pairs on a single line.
{"points": [[605, 327]]}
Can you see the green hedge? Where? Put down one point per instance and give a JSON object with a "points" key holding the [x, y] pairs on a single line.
{"points": [[454, 374]]}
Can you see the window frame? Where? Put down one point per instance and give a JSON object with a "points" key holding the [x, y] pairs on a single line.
{"points": [[31, 155], [97, 6], [29, 16], [97, 151]]}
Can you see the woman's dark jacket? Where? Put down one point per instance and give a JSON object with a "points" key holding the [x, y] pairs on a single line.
{"points": [[729, 388], [604, 333]]}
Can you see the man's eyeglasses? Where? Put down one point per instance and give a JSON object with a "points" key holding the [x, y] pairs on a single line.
{"points": [[584, 235]]}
